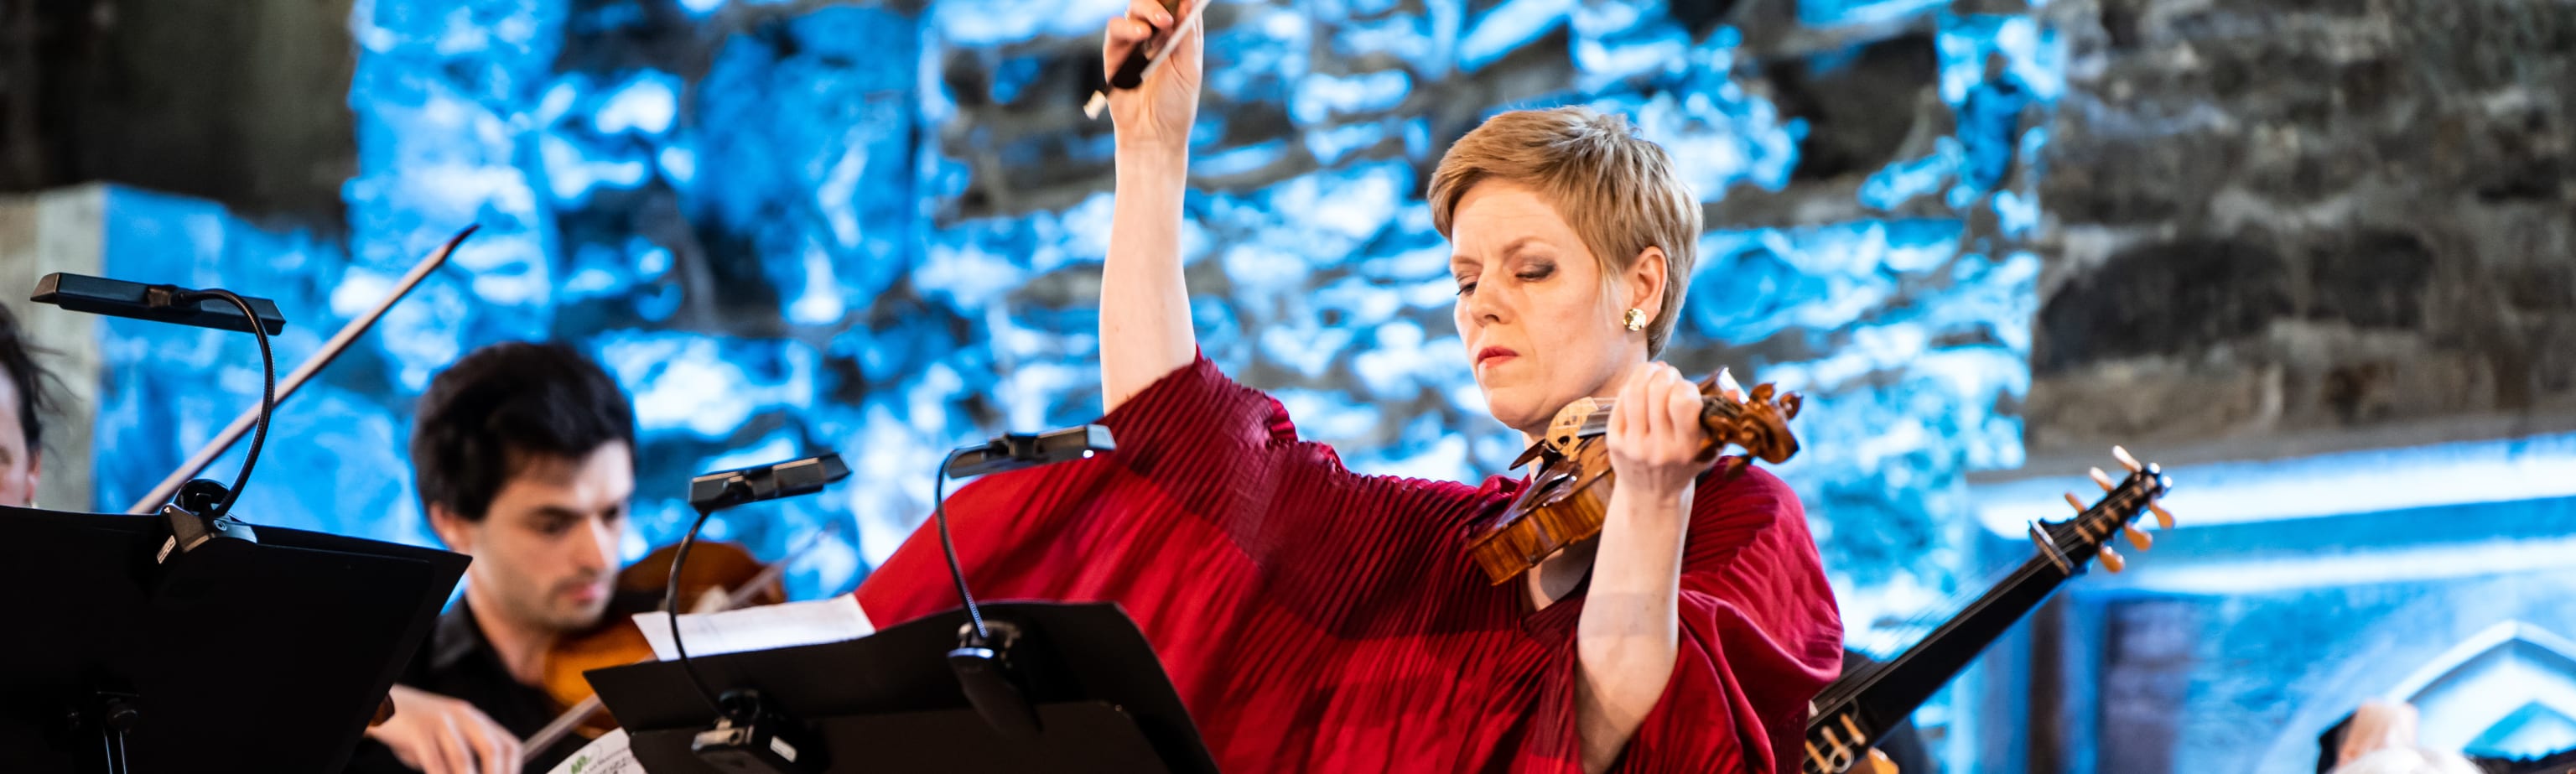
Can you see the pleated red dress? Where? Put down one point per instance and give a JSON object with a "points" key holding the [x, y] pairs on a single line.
{"points": [[1319, 620]]}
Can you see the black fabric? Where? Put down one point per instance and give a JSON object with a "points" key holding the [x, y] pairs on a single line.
{"points": [[460, 663], [2331, 742], [1903, 744]]}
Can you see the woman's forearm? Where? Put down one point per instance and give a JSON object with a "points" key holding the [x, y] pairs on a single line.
{"points": [[1144, 304], [1630, 632]]}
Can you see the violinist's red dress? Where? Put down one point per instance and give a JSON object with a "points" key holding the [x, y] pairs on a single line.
{"points": [[1319, 620]]}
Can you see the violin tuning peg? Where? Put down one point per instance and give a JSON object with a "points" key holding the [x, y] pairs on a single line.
{"points": [[2101, 479], [2138, 538], [2126, 461], [2164, 518], [2071, 500], [2111, 560]]}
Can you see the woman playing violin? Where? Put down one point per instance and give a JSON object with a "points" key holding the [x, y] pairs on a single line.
{"points": [[1314, 619]]}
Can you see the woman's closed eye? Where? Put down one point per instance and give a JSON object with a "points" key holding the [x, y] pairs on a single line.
{"points": [[1536, 272]]}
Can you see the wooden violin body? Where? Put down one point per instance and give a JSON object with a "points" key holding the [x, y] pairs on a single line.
{"points": [[1569, 497], [718, 576]]}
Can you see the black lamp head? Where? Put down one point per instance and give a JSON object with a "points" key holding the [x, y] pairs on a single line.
{"points": [[725, 489]]}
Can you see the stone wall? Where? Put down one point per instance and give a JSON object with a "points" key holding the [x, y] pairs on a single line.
{"points": [[880, 225], [2280, 220], [877, 227], [2211, 229], [243, 102], [1870, 257]]}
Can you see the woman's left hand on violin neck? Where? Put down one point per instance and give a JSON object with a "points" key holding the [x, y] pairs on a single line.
{"points": [[1655, 438]]}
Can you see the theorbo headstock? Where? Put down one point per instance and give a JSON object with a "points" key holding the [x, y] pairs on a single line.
{"points": [[2087, 535]]}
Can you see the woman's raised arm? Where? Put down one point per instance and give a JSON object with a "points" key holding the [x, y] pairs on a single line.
{"points": [[1144, 305]]}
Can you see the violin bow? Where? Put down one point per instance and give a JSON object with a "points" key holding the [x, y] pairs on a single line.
{"points": [[340, 342], [1100, 99]]}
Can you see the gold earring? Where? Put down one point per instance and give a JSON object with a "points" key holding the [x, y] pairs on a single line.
{"points": [[1635, 319]]}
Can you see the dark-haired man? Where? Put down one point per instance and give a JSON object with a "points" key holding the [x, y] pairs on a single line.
{"points": [[23, 399], [524, 455]]}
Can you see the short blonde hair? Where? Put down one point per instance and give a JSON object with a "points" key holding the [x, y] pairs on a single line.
{"points": [[1618, 191]]}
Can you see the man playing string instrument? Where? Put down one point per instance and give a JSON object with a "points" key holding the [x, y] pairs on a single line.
{"points": [[524, 458], [1315, 619]]}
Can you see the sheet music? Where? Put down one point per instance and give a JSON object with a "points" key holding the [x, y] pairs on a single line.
{"points": [[759, 628], [607, 754]]}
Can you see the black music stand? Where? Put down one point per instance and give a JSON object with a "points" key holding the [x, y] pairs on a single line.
{"points": [[889, 702], [269, 656]]}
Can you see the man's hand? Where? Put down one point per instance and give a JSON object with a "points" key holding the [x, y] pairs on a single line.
{"points": [[441, 735]]}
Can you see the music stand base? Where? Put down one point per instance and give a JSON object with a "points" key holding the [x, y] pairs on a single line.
{"points": [[110, 715], [1088, 737]]}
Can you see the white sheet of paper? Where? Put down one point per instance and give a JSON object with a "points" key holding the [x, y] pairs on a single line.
{"points": [[607, 754], [758, 628]]}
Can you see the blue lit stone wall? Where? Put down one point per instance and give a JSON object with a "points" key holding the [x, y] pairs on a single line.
{"points": [[331, 461], [877, 227], [2269, 228], [1890, 284]]}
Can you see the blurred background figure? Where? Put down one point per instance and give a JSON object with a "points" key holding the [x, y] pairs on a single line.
{"points": [[26, 397], [2382, 736], [2378, 725]]}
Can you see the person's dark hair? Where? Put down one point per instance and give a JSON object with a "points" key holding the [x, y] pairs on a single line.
{"points": [[503, 405], [18, 363]]}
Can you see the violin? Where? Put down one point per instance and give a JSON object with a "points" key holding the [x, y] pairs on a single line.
{"points": [[1569, 496], [720, 576]]}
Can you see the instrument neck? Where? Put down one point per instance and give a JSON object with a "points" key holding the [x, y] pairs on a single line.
{"points": [[1714, 413], [1887, 694]]}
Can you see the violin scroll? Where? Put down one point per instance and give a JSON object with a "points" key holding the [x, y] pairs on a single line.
{"points": [[1760, 424], [1568, 496]]}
